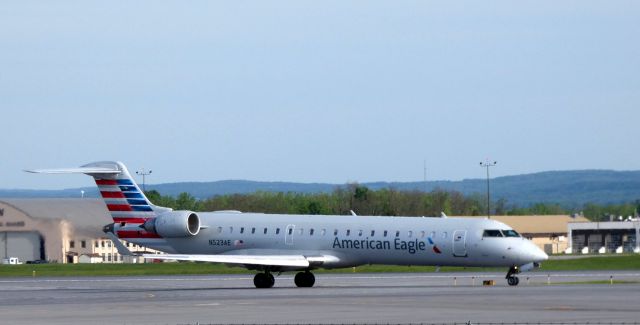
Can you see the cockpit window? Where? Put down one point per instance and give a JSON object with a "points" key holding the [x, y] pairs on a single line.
{"points": [[510, 233], [492, 233]]}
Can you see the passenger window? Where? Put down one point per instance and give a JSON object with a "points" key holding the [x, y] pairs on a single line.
{"points": [[231, 230], [433, 235], [311, 232], [290, 231], [242, 230], [335, 232], [360, 232], [219, 229], [277, 231], [253, 230], [373, 233], [348, 232], [410, 234], [323, 232], [397, 233], [384, 233], [422, 234], [492, 233], [265, 231], [444, 235], [300, 231]]}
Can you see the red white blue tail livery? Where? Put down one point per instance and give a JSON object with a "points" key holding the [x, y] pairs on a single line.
{"points": [[124, 200]]}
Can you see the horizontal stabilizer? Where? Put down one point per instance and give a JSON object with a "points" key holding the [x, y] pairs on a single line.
{"points": [[269, 260], [78, 170]]}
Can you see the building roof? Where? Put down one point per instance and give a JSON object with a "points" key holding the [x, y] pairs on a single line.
{"points": [[608, 225], [542, 224], [88, 214]]}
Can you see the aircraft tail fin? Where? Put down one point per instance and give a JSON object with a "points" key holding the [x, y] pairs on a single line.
{"points": [[124, 199]]}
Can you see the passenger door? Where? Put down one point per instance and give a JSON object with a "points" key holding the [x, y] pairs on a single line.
{"points": [[288, 234], [460, 243]]}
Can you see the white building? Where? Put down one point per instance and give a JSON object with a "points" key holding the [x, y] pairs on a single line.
{"points": [[604, 237]]}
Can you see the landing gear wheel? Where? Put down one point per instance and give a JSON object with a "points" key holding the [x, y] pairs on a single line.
{"points": [[304, 279], [513, 280], [264, 280]]}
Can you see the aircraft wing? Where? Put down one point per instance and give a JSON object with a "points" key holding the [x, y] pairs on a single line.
{"points": [[270, 260]]}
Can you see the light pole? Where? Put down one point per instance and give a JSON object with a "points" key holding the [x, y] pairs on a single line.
{"points": [[486, 165], [425, 176], [144, 174]]}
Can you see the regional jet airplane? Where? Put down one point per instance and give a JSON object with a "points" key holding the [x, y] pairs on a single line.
{"points": [[274, 243]]}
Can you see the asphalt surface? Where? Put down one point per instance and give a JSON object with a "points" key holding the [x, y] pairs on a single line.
{"points": [[336, 298]]}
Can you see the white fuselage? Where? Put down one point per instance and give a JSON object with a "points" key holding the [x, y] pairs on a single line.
{"points": [[355, 240], [278, 242]]}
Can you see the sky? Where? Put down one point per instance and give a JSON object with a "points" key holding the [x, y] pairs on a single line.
{"points": [[317, 91]]}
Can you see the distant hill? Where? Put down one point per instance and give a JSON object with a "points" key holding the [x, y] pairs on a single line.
{"points": [[568, 188]]}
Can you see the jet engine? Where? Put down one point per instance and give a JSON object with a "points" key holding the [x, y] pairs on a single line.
{"points": [[174, 224]]}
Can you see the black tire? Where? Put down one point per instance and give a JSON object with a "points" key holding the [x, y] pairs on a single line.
{"points": [[513, 280], [311, 279], [258, 280], [304, 279], [270, 280], [263, 280]]}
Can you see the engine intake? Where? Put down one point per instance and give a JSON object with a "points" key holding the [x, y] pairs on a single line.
{"points": [[174, 224]]}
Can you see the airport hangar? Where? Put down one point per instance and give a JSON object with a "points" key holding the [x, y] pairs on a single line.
{"points": [[59, 230], [70, 231]]}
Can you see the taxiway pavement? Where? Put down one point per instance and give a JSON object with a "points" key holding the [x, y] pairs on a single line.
{"points": [[336, 298]]}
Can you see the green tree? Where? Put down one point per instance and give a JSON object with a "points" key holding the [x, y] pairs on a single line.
{"points": [[314, 207], [186, 201], [500, 206], [386, 202]]}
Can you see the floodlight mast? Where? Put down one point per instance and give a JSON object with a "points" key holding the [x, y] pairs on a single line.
{"points": [[487, 165], [144, 174]]}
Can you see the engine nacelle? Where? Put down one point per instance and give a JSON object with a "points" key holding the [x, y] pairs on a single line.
{"points": [[174, 224]]}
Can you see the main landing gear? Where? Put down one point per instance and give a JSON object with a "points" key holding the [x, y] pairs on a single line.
{"points": [[511, 277], [304, 279], [265, 279]]}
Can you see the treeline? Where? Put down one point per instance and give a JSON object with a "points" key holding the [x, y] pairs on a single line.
{"points": [[383, 202]]}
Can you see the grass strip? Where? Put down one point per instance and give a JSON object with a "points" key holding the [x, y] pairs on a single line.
{"points": [[624, 262]]}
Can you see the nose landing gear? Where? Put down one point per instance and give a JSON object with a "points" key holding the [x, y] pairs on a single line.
{"points": [[511, 277]]}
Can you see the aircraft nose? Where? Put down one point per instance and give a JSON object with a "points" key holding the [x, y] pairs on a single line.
{"points": [[541, 256], [536, 254]]}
